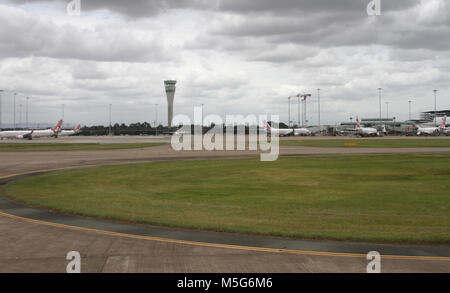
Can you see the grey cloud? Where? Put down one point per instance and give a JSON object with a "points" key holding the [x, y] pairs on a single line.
{"points": [[135, 8], [296, 6], [412, 28], [284, 54], [143, 8], [88, 71], [35, 36]]}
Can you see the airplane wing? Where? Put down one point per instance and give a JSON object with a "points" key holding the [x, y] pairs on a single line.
{"points": [[28, 135]]}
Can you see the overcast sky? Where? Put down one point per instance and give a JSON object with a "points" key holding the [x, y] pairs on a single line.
{"points": [[234, 56]]}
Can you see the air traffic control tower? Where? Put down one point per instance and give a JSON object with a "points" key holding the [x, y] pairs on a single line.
{"points": [[170, 92]]}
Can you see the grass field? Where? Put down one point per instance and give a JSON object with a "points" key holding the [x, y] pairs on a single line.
{"points": [[37, 147], [392, 198], [373, 143]]}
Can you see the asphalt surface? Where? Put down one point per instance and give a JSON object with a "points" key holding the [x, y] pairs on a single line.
{"points": [[36, 240]]}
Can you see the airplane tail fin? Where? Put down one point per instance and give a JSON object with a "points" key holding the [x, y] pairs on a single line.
{"points": [[57, 127], [77, 129], [444, 123], [358, 125], [267, 126]]}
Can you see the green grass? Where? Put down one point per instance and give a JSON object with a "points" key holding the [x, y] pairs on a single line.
{"points": [[373, 143], [391, 198], [38, 147]]}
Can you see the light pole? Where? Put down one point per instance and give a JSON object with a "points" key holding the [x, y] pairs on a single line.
{"points": [[203, 114], [156, 119], [304, 111], [305, 96], [28, 98], [20, 116], [1, 124], [394, 124], [298, 110], [110, 125], [379, 97], [387, 109], [63, 106], [435, 108], [289, 111], [15, 94], [409, 110], [318, 95]]}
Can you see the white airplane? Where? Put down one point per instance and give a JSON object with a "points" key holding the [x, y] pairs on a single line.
{"points": [[365, 131], [52, 132], [181, 131], [302, 132], [70, 132], [384, 130], [277, 131], [27, 134], [433, 130], [30, 134]]}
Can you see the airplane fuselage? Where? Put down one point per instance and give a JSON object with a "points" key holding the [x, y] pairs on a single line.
{"points": [[281, 132], [43, 133], [15, 134], [428, 131], [301, 132], [368, 131], [66, 133]]}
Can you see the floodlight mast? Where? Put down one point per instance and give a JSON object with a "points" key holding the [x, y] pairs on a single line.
{"points": [[305, 96], [318, 103], [435, 107], [410, 109], [379, 99], [289, 111], [28, 98], [15, 95]]}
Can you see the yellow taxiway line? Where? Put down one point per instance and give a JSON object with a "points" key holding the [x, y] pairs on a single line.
{"points": [[203, 244]]}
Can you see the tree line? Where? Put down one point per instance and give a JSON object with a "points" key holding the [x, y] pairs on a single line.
{"points": [[146, 128]]}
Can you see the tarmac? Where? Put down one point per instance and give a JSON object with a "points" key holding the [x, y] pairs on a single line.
{"points": [[37, 240]]}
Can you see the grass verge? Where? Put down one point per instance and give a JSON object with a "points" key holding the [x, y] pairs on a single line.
{"points": [[368, 143], [384, 198]]}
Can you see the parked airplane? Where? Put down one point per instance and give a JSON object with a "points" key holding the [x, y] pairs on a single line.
{"points": [[277, 131], [365, 131], [301, 132], [20, 134], [69, 132], [52, 132], [30, 134], [384, 130], [433, 130]]}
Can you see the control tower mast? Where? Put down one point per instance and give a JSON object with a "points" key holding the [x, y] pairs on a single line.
{"points": [[170, 92]]}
